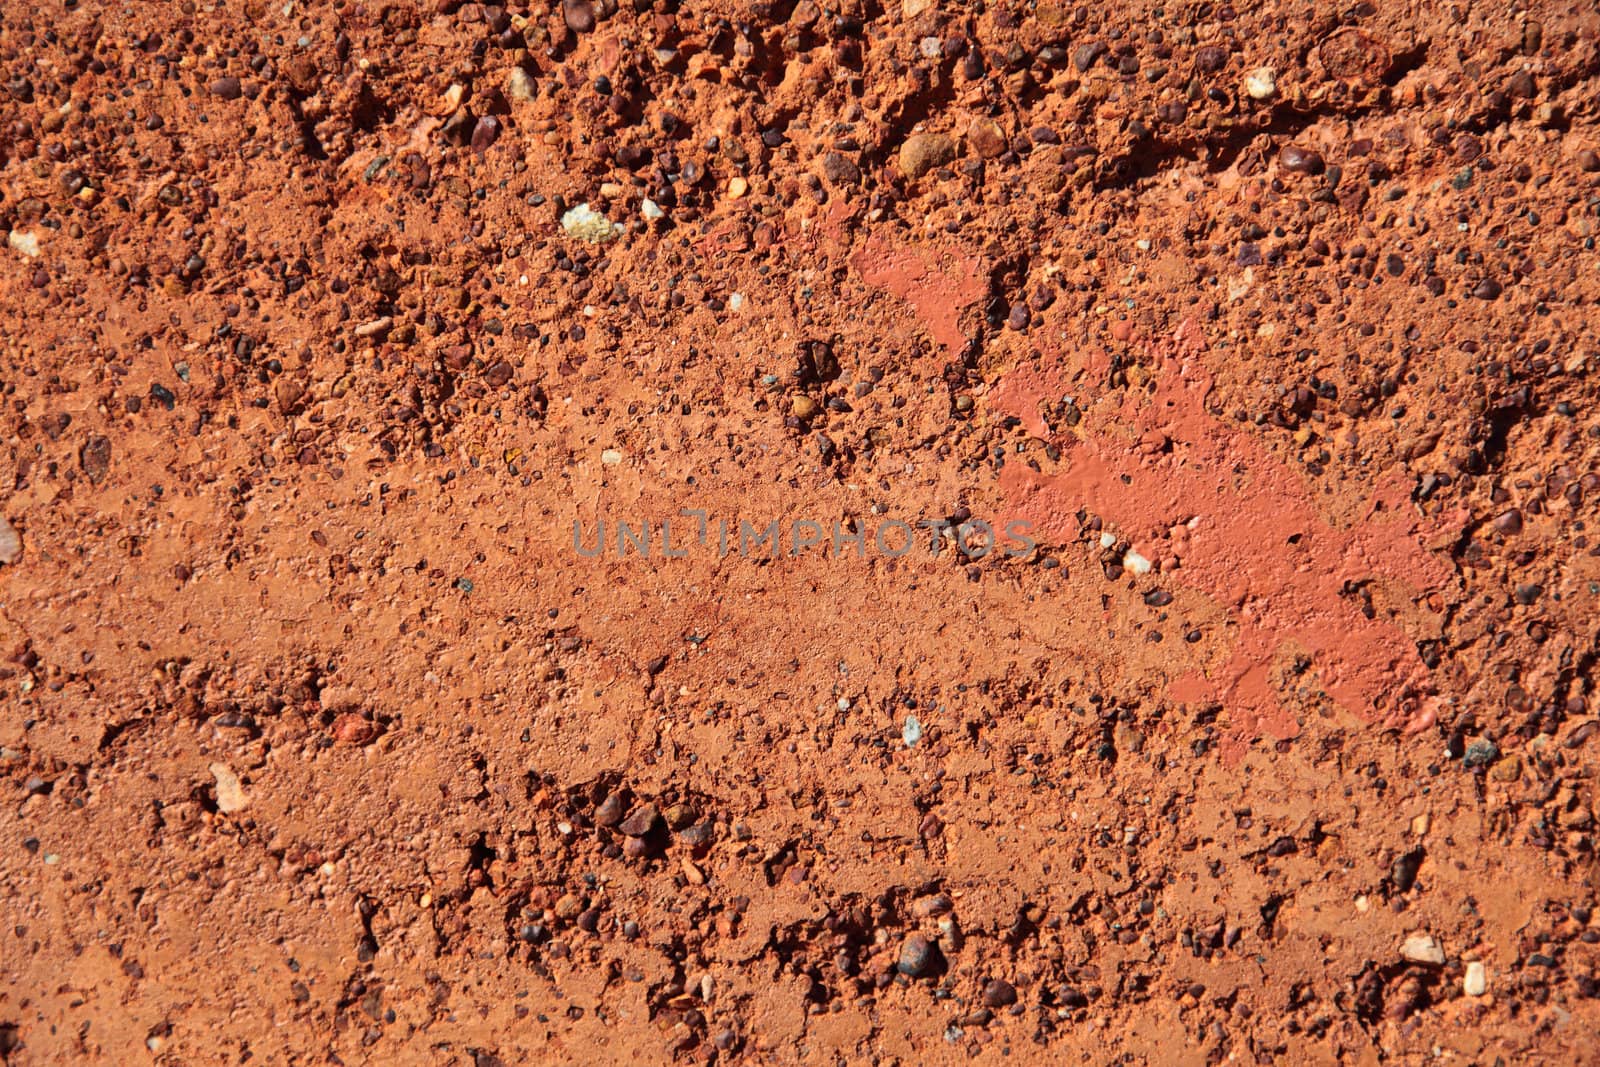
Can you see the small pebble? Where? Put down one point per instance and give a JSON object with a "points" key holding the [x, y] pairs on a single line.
{"points": [[999, 994], [611, 810], [923, 152], [376, 328], [485, 133], [230, 794], [1404, 872], [520, 86], [640, 821], [587, 224], [26, 243], [1261, 83], [1476, 981], [919, 957], [911, 732], [10, 542], [579, 15], [1422, 948], [1293, 157]]}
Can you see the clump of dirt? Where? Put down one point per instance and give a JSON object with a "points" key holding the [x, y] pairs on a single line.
{"points": [[390, 394]]}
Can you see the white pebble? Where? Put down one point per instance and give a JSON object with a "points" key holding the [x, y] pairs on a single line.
{"points": [[1261, 83], [26, 243], [1107, 540], [587, 224], [929, 47], [230, 794], [736, 302], [1422, 948], [1135, 563], [651, 210], [611, 457], [1476, 981], [912, 732]]}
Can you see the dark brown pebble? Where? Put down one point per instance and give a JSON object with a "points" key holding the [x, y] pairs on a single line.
{"points": [[1172, 112], [1509, 522], [1210, 59], [698, 836], [1084, 55], [1488, 289], [1404, 871], [579, 15], [919, 957], [96, 459], [999, 993], [1300, 160], [227, 88], [840, 170], [1589, 160], [610, 811], [485, 133], [640, 820]]}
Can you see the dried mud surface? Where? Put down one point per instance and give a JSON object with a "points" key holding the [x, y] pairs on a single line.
{"points": [[325, 741]]}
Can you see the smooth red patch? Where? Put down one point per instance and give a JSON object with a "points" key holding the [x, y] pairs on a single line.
{"points": [[1258, 544]]}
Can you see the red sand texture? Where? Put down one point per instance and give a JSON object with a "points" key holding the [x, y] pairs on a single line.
{"points": [[319, 743]]}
